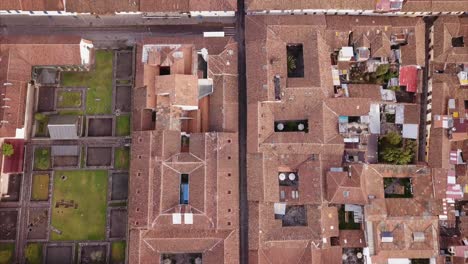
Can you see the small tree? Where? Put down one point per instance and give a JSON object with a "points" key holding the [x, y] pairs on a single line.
{"points": [[393, 138], [382, 69], [7, 149], [399, 155]]}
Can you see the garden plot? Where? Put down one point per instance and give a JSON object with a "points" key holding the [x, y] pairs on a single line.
{"points": [[8, 219], [100, 127], [99, 157], [59, 254], [38, 223]]}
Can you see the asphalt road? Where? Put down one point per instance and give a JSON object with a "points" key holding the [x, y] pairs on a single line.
{"points": [[115, 21], [243, 203], [113, 29]]}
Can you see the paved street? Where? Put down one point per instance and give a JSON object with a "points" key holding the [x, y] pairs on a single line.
{"points": [[107, 31], [116, 21], [243, 202]]}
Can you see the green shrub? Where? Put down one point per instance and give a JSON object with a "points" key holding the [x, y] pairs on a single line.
{"points": [[40, 117], [7, 149], [382, 69]]}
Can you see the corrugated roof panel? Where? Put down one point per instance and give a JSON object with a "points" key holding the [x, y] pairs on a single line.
{"points": [[65, 150]]}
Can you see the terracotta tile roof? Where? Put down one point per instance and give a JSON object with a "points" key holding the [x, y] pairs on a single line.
{"points": [[434, 5], [444, 30], [352, 239], [214, 5], [374, 174], [111, 6], [347, 187], [186, 5], [211, 160], [411, 113], [208, 177], [182, 89], [332, 255], [309, 98], [32, 5], [329, 221], [371, 91], [404, 245], [439, 148], [380, 46], [164, 5], [284, 251], [404, 217], [17, 60], [253, 5], [412, 53], [349, 106]]}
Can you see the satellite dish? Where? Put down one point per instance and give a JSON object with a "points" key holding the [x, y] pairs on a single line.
{"points": [[359, 255], [282, 176], [280, 126], [300, 127], [292, 176]]}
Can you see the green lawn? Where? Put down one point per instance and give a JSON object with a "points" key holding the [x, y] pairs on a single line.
{"points": [[118, 252], [122, 125], [98, 81], [34, 253], [67, 99], [42, 158], [7, 251], [87, 189], [40, 188], [122, 158]]}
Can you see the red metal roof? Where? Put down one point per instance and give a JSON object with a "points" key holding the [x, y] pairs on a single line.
{"points": [[14, 163], [409, 78]]}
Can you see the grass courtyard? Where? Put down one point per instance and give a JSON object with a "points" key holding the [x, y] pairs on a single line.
{"points": [[7, 251], [68, 99], [122, 125], [98, 81], [118, 252], [34, 253], [85, 192], [42, 159], [40, 188], [122, 158]]}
